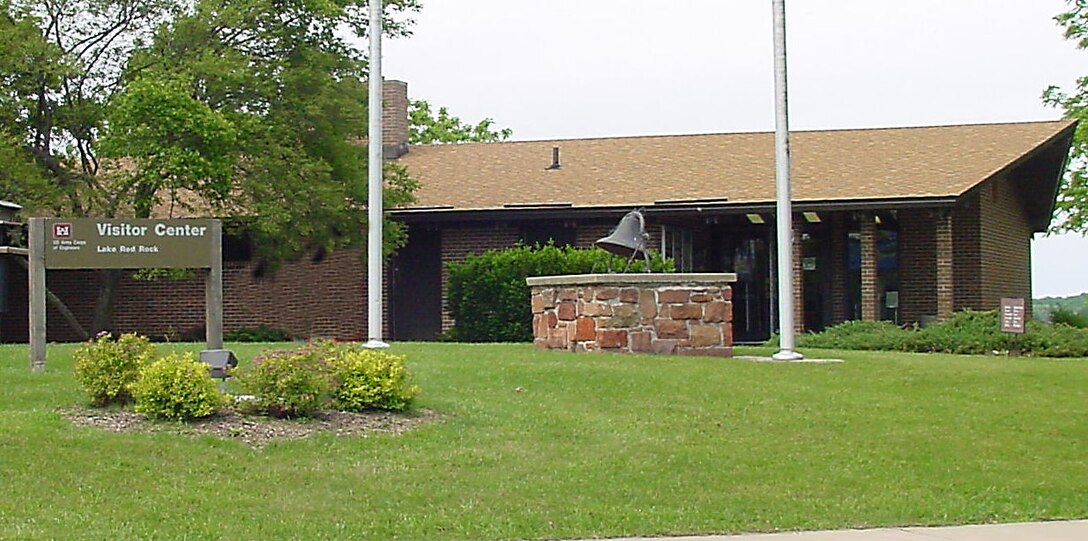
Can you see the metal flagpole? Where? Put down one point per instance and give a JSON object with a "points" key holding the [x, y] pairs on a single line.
{"points": [[374, 198], [784, 216]]}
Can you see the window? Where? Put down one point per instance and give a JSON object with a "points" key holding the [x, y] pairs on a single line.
{"points": [[237, 247], [676, 242], [541, 233]]}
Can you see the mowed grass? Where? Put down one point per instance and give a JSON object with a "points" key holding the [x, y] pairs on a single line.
{"points": [[538, 445]]}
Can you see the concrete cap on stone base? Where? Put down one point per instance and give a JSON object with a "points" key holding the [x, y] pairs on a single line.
{"points": [[654, 278]]}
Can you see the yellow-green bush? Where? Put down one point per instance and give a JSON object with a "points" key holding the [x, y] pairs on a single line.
{"points": [[300, 382], [177, 387], [289, 383], [369, 379], [106, 367]]}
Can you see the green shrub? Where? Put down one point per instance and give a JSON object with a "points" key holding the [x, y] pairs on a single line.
{"points": [[178, 388], [489, 300], [369, 379], [1067, 316], [298, 383], [289, 383], [863, 335], [261, 333], [1056, 340], [106, 367], [967, 332]]}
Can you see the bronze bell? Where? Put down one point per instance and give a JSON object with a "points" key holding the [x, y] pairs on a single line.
{"points": [[628, 239]]}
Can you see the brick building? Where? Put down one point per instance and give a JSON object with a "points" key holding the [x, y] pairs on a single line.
{"points": [[903, 224]]}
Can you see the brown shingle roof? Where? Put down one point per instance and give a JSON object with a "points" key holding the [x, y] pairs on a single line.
{"points": [[893, 163]]}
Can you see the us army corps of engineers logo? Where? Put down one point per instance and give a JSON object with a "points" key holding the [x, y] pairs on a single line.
{"points": [[62, 238]]}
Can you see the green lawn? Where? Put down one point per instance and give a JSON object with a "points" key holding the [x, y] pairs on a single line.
{"points": [[595, 445]]}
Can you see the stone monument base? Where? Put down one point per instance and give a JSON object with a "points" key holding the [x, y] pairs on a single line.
{"points": [[684, 314]]}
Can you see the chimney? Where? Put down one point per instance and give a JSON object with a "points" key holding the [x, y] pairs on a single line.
{"points": [[555, 160], [394, 119]]}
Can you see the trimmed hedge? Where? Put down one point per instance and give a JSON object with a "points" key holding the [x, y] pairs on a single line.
{"points": [[260, 333], [967, 332], [489, 300], [863, 335]]}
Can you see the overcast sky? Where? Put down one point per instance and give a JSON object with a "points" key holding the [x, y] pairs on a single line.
{"points": [[590, 68]]}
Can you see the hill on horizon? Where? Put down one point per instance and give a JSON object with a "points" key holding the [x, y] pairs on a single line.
{"points": [[1044, 306]]}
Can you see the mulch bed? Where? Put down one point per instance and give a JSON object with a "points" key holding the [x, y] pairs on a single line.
{"points": [[254, 430]]}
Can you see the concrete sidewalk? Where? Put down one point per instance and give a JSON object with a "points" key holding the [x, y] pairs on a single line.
{"points": [[1072, 530]]}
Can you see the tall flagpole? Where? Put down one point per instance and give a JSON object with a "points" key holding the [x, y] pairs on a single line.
{"points": [[374, 197], [784, 216]]}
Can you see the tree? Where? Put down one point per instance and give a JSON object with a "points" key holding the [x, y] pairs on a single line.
{"points": [[26, 60], [425, 128], [247, 108], [1072, 204]]}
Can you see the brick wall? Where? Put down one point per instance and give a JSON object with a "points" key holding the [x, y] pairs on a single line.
{"points": [[1005, 244], [917, 265], [981, 254], [966, 258], [946, 273], [588, 233], [305, 298], [308, 299], [870, 310]]}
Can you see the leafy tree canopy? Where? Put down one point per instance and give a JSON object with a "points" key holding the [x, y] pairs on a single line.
{"points": [[1072, 204], [226, 107], [425, 127], [251, 108]]}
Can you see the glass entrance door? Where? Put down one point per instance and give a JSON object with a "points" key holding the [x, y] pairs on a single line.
{"points": [[749, 259]]}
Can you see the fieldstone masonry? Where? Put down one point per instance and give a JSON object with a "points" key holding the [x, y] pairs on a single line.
{"points": [[685, 314]]}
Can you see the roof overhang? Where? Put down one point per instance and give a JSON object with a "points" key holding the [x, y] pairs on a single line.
{"points": [[1037, 177], [671, 209]]}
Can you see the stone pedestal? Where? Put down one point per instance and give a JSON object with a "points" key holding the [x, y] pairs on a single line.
{"points": [[684, 314]]}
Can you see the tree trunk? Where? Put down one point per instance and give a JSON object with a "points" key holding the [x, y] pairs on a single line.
{"points": [[107, 295]]}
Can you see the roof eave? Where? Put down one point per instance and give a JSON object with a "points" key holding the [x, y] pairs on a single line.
{"points": [[1067, 141], [451, 214]]}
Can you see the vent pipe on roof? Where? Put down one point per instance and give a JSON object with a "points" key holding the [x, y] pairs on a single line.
{"points": [[555, 159]]}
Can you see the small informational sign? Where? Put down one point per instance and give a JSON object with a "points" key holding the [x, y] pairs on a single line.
{"points": [[90, 243], [1012, 315], [808, 263]]}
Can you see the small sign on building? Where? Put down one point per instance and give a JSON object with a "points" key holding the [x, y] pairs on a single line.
{"points": [[1012, 315]]}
